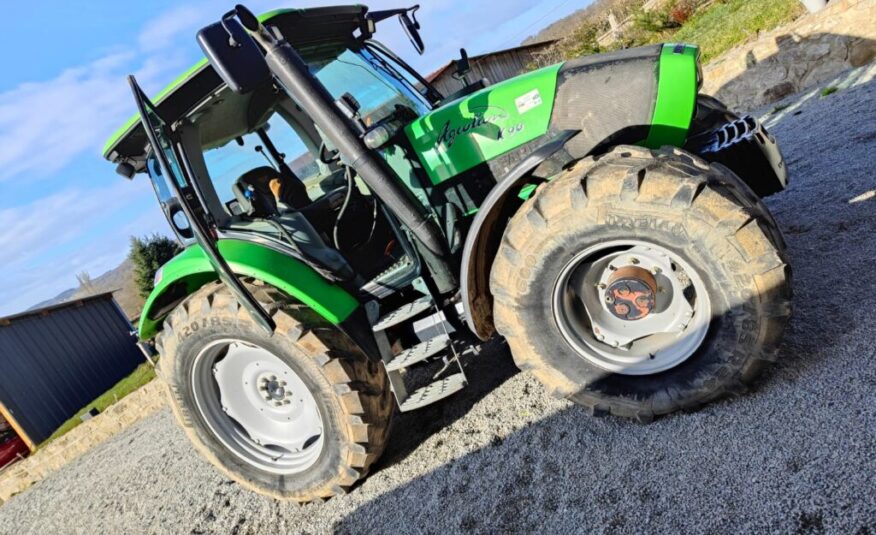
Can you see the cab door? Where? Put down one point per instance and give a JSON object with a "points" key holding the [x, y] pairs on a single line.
{"points": [[175, 168]]}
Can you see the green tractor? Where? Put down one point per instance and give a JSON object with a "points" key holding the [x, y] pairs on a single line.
{"points": [[352, 236]]}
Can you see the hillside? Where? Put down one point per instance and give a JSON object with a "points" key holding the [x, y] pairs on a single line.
{"points": [[596, 11], [119, 280]]}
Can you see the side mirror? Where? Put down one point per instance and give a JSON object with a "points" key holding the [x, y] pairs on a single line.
{"points": [[411, 25], [234, 54]]}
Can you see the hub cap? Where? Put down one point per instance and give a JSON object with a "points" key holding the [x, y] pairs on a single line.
{"points": [[631, 307], [258, 406]]}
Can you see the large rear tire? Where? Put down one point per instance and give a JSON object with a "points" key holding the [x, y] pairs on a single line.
{"points": [[729, 285], [301, 414]]}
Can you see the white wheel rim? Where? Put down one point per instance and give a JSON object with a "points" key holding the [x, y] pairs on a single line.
{"points": [[258, 407], [657, 343]]}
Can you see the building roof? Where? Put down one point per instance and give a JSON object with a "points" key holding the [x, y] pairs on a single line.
{"points": [[450, 64], [46, 310]]}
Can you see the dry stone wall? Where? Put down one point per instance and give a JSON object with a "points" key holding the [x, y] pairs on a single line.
{"points": [[809, 51], [129, 410]]}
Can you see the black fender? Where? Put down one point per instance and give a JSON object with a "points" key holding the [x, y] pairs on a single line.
{"points": [[487, 229]]}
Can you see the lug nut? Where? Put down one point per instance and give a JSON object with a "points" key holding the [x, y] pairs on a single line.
{"points": [[634, 260], [656, 270]]}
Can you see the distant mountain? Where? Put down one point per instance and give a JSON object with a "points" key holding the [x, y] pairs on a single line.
{"points": [[119, 280]]}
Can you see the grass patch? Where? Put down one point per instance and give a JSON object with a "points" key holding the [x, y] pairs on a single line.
{"points": [[715, 28], [139, 377], [829, 90], [727, 23]]}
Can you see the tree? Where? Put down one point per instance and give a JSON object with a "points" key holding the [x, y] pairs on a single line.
{"points": [[148, 254], [86, 285]]}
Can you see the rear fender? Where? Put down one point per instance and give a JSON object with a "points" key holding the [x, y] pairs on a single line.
{"points": [[191, 270]]}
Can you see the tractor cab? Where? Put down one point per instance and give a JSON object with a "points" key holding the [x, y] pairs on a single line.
{"points": [[260, 168]]}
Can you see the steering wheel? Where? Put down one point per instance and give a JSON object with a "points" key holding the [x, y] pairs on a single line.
{"points": [[327, 156]]}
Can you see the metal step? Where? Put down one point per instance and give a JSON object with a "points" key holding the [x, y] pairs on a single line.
{"points": [[433, 392], [392, 278], [403, 313], [419, 352]]}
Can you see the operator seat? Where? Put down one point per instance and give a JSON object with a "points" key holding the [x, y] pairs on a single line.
{"points": [[291, 193], [261, 194]]}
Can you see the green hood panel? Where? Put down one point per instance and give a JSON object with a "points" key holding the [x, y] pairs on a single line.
{"points": [[677, 86], [192, 269], [484, 125]]}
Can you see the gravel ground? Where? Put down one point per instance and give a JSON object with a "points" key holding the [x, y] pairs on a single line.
{"points": [[797, 455]]}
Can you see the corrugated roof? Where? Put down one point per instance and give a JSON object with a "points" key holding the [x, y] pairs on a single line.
{"points": [[449, 64], [42, 311]]}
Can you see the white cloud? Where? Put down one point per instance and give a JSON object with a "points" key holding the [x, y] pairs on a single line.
{"points": [[168, 27], [46, 242], [34, 229]]}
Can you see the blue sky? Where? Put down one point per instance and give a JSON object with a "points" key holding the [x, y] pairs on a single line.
{"points": [[63, 209]]}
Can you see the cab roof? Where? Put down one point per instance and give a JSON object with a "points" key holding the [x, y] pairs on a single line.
{"points": [[309, 30]]}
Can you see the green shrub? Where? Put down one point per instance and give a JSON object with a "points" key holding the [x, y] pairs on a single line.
{"points": [[148, 254]]}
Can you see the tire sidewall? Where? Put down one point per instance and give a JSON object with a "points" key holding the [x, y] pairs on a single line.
{"points": [[722, 269], [196, 334]]}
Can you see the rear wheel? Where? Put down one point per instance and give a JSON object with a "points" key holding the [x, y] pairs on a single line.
{"points": [[300, 414], [642, 282]]}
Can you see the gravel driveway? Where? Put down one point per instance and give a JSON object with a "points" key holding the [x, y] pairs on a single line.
{"points": [[797, 455]]}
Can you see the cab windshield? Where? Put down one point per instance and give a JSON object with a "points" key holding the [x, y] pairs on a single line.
{"points": [[376, 86], [371, 81]]}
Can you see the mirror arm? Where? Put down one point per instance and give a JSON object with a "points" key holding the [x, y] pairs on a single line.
{"points": [[379, 16]]}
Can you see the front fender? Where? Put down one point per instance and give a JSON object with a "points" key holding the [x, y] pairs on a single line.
{"points": [[191, 269], [486, 231]]}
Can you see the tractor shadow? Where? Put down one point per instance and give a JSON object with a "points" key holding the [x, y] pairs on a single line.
{"points": [[486, 372]]}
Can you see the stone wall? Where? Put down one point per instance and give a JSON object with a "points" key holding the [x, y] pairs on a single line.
{"points": [[809, 51], [130, 409]]}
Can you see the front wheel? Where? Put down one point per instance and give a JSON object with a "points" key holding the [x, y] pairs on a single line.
{"points": [[300, 414], [642, 282]]}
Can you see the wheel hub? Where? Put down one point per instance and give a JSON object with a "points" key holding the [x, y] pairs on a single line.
{"points": [[631, 293], [274, 389]]}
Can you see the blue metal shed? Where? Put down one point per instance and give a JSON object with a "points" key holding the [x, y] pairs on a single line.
{"points": [[56, 360]]}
